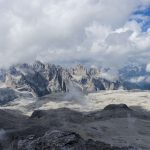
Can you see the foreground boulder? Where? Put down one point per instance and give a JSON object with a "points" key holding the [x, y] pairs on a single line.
{"points": [[62, 140]]}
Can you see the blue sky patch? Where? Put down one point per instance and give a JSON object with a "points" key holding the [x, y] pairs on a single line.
{"points": [[144, 13]]}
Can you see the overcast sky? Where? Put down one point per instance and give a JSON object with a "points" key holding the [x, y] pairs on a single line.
{"points": [[95, 32]]}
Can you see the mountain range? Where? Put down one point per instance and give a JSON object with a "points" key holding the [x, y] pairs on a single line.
{"points": [[40, 79]]}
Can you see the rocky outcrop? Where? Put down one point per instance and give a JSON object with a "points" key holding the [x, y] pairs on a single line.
{"points": [[62, 140], [116, 111], [7, 95], [116, 107]]}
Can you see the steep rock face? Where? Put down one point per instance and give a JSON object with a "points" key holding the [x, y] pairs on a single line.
{"points": [[7, 95], [37, 83], [79, 70]]}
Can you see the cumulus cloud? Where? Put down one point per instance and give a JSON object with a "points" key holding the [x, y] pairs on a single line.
{"points": [[148, 68], [88, 31]]}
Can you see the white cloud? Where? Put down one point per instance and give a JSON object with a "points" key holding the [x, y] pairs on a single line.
{"points": [[137, 79], [148, 68], [87, 31]]}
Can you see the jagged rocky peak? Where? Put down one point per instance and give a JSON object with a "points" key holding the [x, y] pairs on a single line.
{"points": [[24, 65], [79, 70], [94, 71], [2, 75], [37, 65]]}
